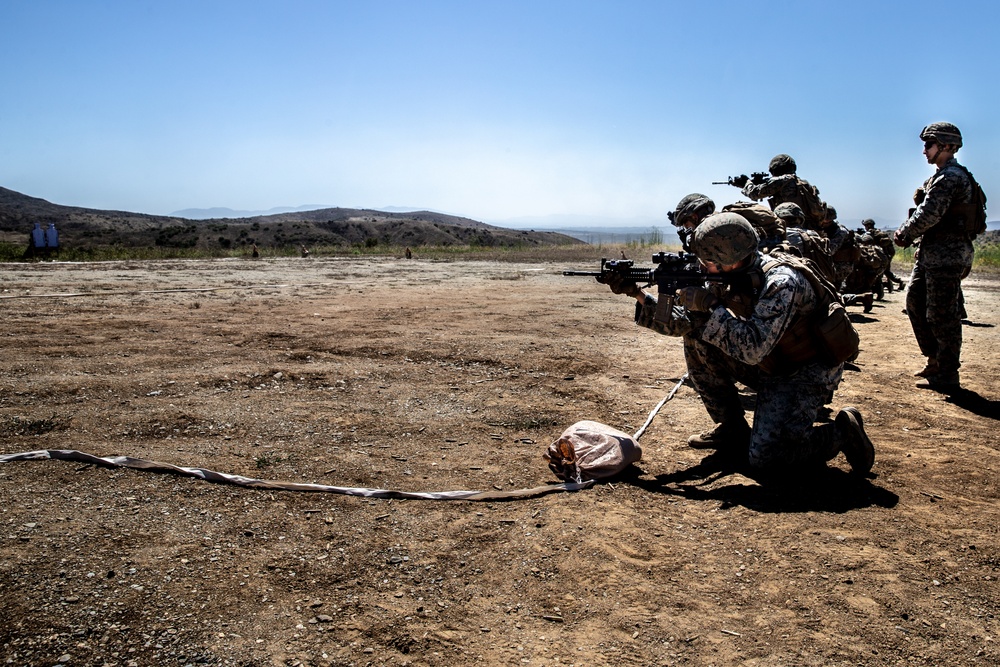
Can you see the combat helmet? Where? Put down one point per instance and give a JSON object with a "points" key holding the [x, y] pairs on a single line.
{"points": [[943, 133], [694, 204], [791, 213], [868, 223], [782, 164], [724, 238]]}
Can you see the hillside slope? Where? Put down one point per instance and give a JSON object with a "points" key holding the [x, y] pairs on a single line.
{"points": [[88, 228]]}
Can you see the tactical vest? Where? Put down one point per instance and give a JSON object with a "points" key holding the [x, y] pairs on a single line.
{"points": [[825, 334], [962, 220]]}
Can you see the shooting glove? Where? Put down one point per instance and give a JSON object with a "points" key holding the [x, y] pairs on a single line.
{"points": [[739, 181], [697, 299], [620, 285]]}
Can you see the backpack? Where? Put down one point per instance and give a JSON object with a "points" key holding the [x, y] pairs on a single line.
{"points": [[849, 251], [827, 333], [884, 241], [976, 219], [811, 245], [769, 227], [812, 205]]}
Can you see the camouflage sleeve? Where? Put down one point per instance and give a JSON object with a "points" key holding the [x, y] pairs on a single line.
{"points": [[682, 322], [836, 236], [941, 189], [768, 188], [785, 294]]}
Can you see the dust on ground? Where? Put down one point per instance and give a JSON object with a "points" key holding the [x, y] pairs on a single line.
{"points": [[425, 375]]}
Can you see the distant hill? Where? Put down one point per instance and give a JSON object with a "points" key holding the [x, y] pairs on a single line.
{"points": [[219, 212], [88, 228]]}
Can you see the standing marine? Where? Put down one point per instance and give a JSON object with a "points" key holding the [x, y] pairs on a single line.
{"points": [[949, 212]]}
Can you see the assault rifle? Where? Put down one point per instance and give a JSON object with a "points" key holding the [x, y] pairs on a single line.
{"points": [[757, 178], [672, 272]]}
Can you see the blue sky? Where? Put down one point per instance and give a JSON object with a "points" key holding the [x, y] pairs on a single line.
{"points": [[492, 110]]}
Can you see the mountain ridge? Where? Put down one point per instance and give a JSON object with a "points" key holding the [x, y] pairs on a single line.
{"points": [[87, 228]]}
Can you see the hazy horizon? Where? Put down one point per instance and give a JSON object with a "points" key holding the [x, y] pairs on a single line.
{"points": [[491, 111]]}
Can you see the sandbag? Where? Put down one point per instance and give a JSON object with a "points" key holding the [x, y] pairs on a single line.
{"points": [[591, 450]]}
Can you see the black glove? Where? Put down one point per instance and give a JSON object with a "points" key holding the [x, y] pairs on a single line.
{"points": [[739, 181], [697, 299], [620, 285]]}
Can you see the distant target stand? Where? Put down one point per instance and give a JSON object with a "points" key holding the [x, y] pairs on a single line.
{"points": [[43, 242]]}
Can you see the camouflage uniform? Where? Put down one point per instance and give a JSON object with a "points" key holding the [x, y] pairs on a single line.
{"points": [[869, 269], [944, 258], [778, 190], [839, 240], [884, 242], [721, 349]]}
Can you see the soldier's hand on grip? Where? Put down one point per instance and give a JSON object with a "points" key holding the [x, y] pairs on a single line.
{"points": [[741, 180], [620, 285], [697, 299]]}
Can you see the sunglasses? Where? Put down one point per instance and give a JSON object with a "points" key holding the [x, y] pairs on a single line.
{"points": [[928, 144]]}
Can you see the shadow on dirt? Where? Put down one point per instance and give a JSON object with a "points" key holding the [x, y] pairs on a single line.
{"points": [[823, 490], [974, 403]]}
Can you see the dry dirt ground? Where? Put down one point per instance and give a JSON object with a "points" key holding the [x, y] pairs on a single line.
{"points": [[435, 376]]}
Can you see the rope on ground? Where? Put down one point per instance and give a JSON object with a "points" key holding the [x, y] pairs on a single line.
{"points": [[652, 414], [239, 480], [251, 482]]}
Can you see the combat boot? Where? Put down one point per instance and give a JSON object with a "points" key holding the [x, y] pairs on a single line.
{"points": [[940, 381], [854, 442], [932, 368], [868, 301], [727, 435]]}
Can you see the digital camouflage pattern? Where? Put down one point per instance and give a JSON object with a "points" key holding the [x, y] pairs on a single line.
{"points": [[724, 238], [943, 133], [722, 349], [782, 164], [934, 297], [943, 245], [869, 269], [840, 243], [777, 190]]}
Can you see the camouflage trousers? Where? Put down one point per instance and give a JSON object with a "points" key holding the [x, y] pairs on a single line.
{"points": [[842, 270], [935, 306], [785, 436]]}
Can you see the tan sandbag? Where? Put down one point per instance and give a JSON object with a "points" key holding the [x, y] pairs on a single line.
{"points": [[591, 450]]}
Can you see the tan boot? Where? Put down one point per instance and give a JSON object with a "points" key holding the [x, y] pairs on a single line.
{"points": [[932, 368], [943, 382], [723, 436]]}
